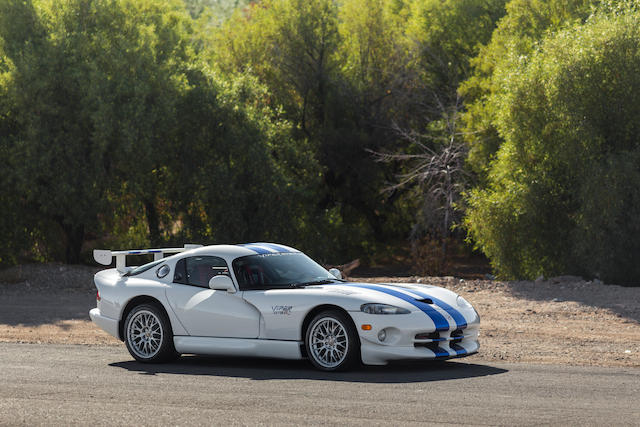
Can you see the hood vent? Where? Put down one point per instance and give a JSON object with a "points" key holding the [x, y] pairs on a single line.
{"points": [[425, 300]]}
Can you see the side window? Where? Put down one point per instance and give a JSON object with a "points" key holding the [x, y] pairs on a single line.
{"points": [[198, 270], [180, 275]]}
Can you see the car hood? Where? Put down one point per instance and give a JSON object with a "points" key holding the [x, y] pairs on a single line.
{"points": [[391, 293], [361, 287]]}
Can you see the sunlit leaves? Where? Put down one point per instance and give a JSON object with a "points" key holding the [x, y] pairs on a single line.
{"points": [[556, 200]]}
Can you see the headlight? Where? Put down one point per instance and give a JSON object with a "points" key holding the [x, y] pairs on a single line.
{"points": [[382, 309], [463, 302]]}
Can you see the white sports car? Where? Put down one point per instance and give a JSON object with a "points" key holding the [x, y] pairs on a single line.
{"points": [[270, 300]]}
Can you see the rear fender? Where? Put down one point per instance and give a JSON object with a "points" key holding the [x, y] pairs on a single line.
{"points": [[118, 293]]}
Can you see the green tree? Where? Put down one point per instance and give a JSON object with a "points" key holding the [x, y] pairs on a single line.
{"points": [[446, 35], [563, 193], [288, 45], [239, 178], [87, 89], [113, 125], [349, 75], [440, 40], [526, 22], [52, 141], [301, 51], [13, 221], [220, 9], [145, 56]]}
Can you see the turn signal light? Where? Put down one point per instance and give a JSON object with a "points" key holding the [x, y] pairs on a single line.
{"points": [[366, 327]]}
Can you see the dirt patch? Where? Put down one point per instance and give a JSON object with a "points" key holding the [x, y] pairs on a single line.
{"points": [[563, 321], [49, 303]]}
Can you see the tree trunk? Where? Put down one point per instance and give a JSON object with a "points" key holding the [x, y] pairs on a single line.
{"points": [[153, 221], [74, 239], [445, 233]]}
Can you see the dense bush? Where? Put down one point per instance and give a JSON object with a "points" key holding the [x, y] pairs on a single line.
{"points": [[113, 128], [514, 39], [563, 193]]}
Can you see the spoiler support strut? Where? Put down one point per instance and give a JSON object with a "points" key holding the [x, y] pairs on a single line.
{"points": [[105, 257]]}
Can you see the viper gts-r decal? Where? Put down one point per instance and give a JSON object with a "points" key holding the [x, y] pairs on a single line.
{"points": [[282, 309]]}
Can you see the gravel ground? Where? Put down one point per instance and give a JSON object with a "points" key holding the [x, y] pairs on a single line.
{"points": [[49, 303], [561, 321]]}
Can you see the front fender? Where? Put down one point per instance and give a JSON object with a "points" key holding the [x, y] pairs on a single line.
{"points": [[283, 311]]}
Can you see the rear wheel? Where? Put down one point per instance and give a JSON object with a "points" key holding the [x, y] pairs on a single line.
{"points": [[332, 342], [148, 335]]}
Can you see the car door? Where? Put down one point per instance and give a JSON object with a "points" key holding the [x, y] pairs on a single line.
{"points": [[206, 312]]}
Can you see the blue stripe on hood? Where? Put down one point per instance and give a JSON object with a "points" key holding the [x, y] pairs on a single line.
{"points": [[438, 319], [461, 322]]}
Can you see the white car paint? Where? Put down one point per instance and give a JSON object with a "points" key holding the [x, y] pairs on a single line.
{"points": [[213, 313], [270, 322]]}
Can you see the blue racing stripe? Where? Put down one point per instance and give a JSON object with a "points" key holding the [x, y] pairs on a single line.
{"points": [[275, 247], [257, 249], [438, 319], [441, 352], [459, 349], [461, 322]]}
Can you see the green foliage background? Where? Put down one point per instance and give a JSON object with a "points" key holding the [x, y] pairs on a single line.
{"points": [[563, 190], [133, 123]]}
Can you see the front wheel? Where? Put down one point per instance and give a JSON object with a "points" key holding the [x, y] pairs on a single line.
{"points": [[332, 342], [148, 335]]}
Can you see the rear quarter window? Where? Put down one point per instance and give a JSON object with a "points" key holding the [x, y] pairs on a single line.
{"points": [[198, 270]]}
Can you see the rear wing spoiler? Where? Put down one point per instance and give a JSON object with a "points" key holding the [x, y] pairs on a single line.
{"points": [[105, 257]]}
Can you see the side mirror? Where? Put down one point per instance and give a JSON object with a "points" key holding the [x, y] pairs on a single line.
{"points": [[222, 282], [336, 273]]}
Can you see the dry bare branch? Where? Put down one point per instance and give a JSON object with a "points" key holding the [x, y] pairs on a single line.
{"points": [[435, 167]]}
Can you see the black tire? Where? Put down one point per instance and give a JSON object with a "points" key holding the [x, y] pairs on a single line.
{"points": [[340, 348], [154, 341]]}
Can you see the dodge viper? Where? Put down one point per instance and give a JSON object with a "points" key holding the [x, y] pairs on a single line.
{"points": [[271, 300]]}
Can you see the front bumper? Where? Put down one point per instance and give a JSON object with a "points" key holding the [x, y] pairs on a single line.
{"points": [[374, 354], [410, 337], [107, 324]]}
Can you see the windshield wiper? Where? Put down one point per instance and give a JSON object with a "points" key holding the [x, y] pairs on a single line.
{"points": [[315, 282]]}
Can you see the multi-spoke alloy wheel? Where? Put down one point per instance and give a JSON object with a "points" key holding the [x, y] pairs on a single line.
{"points": [[147, 333], [331, 343]]}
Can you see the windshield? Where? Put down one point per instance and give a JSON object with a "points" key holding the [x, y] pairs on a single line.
{"points": [[277, 270]]}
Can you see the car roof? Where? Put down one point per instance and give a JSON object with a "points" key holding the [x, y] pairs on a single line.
{"points": [[243, 249]]}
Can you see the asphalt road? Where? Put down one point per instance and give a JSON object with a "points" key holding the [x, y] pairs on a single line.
{"points": [[64, 385]]}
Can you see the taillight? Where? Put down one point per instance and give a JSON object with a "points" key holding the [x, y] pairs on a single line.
{"points": [[97, 295]]}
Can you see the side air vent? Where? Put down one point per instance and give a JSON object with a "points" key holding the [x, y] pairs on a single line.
{"points": [[425, 300]]}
